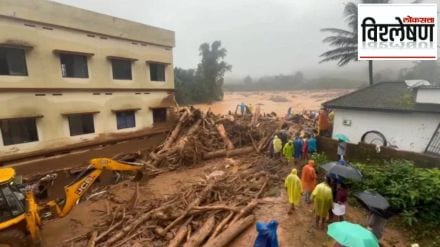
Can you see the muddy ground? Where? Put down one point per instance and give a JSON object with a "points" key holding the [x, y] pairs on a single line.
{"points": [[294, 230], [275, 101]]}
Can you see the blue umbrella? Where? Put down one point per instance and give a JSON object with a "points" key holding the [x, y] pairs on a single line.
{"points": [[342, 137]]}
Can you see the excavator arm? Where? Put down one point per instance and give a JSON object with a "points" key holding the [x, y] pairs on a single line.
{"points": [[75, 190]]}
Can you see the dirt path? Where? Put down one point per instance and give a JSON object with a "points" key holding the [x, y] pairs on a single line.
{"points": [[294, 230]]}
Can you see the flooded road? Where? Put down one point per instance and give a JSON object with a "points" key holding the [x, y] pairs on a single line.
{"points": [[275, 101]]}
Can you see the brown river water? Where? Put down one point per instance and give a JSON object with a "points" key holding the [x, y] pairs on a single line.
{"points": [[275, 101]]}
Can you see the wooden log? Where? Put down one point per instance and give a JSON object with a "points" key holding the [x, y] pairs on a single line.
{"points": [[172, 137], [76, 238], [199, 237], [231, 232], [111, 228], [194, 203], [227, 153], [220, 226], [92, 239], [245, 210], [135, 198], [266, 180], [181, 234], [215, 154], [253, 142], [216, 207], [180, 144], [222, 132], [139, 220]]}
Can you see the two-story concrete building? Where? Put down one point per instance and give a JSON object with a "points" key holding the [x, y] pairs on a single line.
{"points": [[71, 77]]}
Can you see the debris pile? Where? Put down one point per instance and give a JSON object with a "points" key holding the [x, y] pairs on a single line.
{"points": [[198, 136], [211, 212]]}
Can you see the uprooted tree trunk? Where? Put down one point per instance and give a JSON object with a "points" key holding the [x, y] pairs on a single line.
{"points": [[199, 237], [231, 232], [227, 153], [224, 135], [194, 203], [132, 225], [180, 235]]}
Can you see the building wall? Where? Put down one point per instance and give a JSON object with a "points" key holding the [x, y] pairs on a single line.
{"points": [[44, 11], [44, 69], [43, 27], [428, 95], [53, 126], [407, 131]]}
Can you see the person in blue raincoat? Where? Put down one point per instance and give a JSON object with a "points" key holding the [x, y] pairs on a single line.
{"points": [[312, 144], [267, 234], [297, 148]]}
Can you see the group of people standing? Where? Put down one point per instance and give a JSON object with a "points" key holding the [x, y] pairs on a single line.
{"points": [[329, 197], [297, 149]]}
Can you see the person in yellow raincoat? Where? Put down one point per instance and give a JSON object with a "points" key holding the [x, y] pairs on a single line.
{"points": [[322, 200], [294, 189], [277, 146], [288, 151]]}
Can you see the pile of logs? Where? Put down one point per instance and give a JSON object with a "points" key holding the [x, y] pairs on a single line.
{"points": [[209, 213], [198, 136]]}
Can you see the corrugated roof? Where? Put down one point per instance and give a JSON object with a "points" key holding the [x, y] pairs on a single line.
{"points": [[384, 96]]}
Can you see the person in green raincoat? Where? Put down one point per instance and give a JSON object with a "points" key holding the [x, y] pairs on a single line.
{"points": [[323, 201], [277, 146], [288, 151], [294, 189]]}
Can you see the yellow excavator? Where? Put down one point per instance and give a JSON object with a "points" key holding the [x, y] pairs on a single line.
{"points": [[20, 220]]}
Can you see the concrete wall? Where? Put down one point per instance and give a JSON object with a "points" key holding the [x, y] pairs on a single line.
{"points": [[407, 131], [428, 95], [43, 11], [44, 69], [53, 127], [366, 153], [41, 27]]}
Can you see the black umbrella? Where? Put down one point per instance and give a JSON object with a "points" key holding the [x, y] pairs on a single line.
{"points": [[374, 202], [344, 171]]}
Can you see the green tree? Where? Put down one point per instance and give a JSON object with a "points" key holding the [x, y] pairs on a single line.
{"points": [[210, 72], [345, 41], [185, 85]]}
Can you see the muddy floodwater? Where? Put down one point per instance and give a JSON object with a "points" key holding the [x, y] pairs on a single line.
{"points": [[275, 101]]}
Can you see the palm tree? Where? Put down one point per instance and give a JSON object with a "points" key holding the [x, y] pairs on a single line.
{"points": [[345, 41]]}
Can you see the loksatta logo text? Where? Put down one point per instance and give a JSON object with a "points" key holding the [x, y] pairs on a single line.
{"points": [[397, 32]]}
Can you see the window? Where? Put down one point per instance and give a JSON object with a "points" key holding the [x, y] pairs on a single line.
{"points": [[157, 72], [74, 65], [125, 119], [159, 115], [12, 61], [121, 69], [80, 124], [20, 130]]}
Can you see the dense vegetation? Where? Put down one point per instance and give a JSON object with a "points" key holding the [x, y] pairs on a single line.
{"points": [[412, 192], [204, 84]]}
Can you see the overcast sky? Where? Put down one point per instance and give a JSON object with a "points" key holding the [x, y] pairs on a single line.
{"points": [[261, 36]]}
